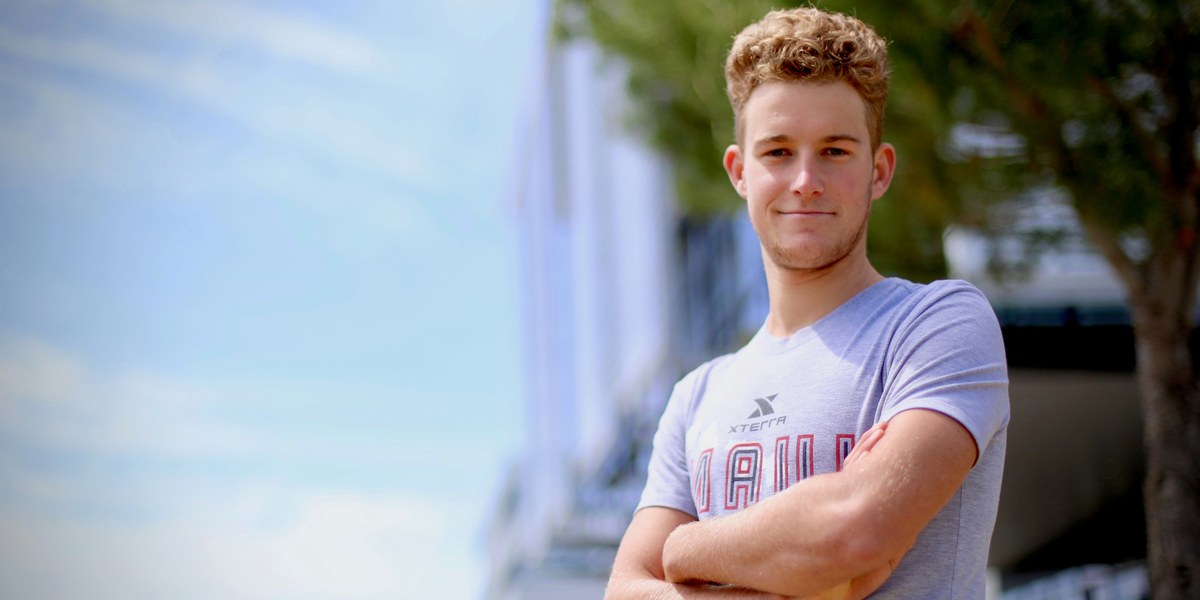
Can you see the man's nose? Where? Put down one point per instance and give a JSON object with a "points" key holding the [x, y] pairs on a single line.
{"points": [[807, 181]]}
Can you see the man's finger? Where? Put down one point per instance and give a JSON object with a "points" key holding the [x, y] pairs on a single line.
{"points": [[866, 443]]}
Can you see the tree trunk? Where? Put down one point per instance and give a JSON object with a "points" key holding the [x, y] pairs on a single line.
{"points": [[1171, 408]]}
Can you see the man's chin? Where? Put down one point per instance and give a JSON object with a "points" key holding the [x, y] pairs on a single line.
{"points": [[800, 258]]}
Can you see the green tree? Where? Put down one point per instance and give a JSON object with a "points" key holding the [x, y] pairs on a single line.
{"points": [[1097, 100]]}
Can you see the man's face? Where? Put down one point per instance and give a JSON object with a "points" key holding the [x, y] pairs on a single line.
{"points": [[807, 172]]}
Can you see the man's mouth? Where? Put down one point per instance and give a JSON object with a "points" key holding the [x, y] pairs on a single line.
{"points": [[806, 213]]}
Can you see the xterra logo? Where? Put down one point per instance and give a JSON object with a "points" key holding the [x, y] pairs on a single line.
{"points": [[764, 407], [763, 413]]}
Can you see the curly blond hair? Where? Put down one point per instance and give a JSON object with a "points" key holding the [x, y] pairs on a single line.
{"points": [[808, 44]]}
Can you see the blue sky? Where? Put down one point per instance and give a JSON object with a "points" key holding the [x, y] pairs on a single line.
{"points": [[258, 328]]}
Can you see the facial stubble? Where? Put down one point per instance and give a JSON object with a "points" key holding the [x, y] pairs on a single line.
{"points": [[794, 259]]}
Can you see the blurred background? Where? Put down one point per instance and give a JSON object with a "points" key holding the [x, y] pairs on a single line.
{"points": [[384, 300]]}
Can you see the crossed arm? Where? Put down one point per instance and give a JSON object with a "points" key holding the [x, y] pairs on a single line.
{"points": [[838, 535]]}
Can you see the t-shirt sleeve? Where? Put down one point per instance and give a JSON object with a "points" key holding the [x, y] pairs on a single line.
{"points": [[667, 482], [949, 357]]}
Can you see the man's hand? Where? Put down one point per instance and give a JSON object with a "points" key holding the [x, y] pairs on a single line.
{"points": [[637, 572], [865, 444]]}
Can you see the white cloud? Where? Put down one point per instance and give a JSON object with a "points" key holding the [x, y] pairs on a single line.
{"points": [[132, 440], [286, 35], [330, 545], [52, 400], [298, 109], [67, 132], [33, 369], [377, 131], [316, 113], [151, 525]]}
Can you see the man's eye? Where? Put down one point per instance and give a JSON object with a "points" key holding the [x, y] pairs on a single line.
{"points": [[836, 152], [776, 152]]}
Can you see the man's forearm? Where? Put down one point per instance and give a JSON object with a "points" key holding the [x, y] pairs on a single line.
{"points": [[728, 549], [685, 566], [656, 589]]}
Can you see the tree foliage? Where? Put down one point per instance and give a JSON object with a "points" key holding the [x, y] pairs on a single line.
{"points": [[1100, 96]]}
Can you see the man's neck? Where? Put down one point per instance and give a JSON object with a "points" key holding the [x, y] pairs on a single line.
{"points": [[800, 298]]}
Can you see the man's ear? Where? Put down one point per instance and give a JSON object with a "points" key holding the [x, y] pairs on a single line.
{"points": [[884, 169], [735, 167]]}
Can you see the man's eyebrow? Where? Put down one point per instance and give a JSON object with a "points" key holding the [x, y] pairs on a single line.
{"points": [[787, 139], [781, 138], [841, 137]]}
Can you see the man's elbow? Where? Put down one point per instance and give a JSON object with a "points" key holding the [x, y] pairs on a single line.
{"points": [[862, 550], [623, 585], [864, 543], [616, 590], [857, 544], [633, 581]]}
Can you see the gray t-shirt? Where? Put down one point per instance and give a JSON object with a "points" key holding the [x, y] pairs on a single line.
{"points": [[750, 424]]}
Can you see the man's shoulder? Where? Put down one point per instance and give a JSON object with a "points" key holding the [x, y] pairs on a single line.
{"points": [[956, 295], [907, 310], [937, 287], [940, 294], [952, 286], [949, 312]]}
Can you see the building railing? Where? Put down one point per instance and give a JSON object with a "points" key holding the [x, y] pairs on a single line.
{"points": [[1089, 582]]}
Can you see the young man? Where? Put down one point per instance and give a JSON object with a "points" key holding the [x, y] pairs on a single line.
{"points": [[753, 489]]}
